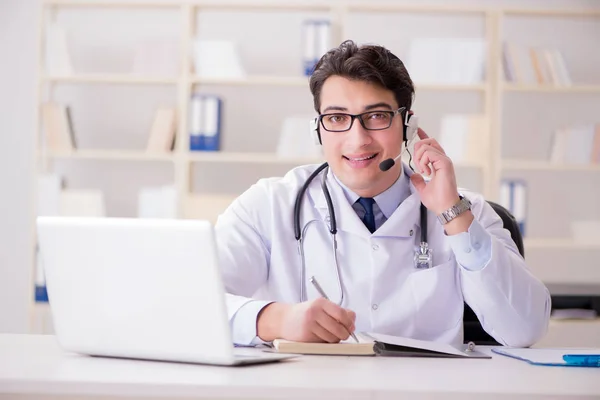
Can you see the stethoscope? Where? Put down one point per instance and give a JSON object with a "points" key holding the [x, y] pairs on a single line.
{"points": [[423, 257]]}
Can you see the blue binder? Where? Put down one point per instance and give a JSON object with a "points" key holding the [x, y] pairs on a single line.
{"points": [[205, 122], [316, 41], [41, 294], [513, 194]]}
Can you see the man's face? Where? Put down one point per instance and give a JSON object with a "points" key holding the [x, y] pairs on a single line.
{"points": [[354, 155]]}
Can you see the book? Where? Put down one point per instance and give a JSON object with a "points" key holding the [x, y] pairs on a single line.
{"points": [[162, 133], [58, 127], [373, 344], [364, 347]]}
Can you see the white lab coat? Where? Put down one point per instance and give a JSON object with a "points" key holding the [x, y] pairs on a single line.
{"points": [[260, 260]]}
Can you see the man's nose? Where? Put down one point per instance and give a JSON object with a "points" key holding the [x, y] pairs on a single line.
{"points": [[358, 135]]}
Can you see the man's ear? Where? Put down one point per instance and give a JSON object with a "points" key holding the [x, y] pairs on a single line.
{"points": [[411, 126]]}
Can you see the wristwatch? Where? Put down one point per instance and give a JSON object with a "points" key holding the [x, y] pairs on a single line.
{"points": [[463, 205]]}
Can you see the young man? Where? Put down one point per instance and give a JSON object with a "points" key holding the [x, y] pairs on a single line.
{"points": [[369, 274]]}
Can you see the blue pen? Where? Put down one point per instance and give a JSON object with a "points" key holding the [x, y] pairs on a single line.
{"points": [[589, 360]]}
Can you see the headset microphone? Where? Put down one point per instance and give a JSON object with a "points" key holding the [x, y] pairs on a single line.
{"points": [[389, 163]]}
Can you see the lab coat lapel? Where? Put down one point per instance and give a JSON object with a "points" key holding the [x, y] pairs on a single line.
{"points": [[400, 224], [406, 218], [346, 218]]}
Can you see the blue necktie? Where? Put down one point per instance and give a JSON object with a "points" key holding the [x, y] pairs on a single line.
{"points": [[369, 218]]}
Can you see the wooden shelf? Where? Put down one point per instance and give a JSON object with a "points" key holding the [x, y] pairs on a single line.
{"points": [[255, 80], [250, 158], [562, 244], [303, 81], [121, 155], [517, 87], [415, 8], [262, 6], [516, 165], [451, 87], [115, 79], [111, 4], [552, 13]]}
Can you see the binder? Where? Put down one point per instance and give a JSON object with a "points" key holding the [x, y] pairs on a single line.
{"points": [[316, 35], [40, 294], [373, 344], [49, 189], [554, 357], [205, 124], [513, 196]]}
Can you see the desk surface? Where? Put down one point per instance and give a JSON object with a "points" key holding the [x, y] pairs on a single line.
{"points": [[35, 367]]}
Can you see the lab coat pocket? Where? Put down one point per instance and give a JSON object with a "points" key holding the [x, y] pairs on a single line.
{"points": [[439, 302]]}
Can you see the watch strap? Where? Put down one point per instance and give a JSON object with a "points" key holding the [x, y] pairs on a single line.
{"points": [[463, 205]]}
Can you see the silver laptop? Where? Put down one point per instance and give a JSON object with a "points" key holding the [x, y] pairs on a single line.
{"points": [[139, 288]]}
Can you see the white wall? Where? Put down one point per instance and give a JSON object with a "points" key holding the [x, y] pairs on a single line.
{"points": [[17, 102], [18, 51]]}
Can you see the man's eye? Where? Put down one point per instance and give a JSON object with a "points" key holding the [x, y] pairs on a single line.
{"points": [[377, 115], [336, 119]]}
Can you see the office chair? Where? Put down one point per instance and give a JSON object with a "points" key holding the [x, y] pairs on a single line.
{"points": [[473, 331]]}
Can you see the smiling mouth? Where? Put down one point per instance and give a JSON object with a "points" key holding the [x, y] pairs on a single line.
{"points": [[361, 158]]}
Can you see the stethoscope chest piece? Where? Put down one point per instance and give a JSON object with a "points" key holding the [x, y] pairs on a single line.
{"points": [[423, 256]]}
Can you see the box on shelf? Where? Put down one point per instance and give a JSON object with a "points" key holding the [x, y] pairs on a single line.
{"points": [[295, 139], [217, 59]]}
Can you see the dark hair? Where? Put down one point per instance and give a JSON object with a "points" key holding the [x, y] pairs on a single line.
{"points": [[369, 63]]}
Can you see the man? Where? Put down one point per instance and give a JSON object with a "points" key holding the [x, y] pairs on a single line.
{"points": [[362, 96]]}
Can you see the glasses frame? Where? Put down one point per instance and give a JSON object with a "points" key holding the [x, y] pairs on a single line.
{"points": [[360, 119]]}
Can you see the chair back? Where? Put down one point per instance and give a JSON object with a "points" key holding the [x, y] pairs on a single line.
{"points": [[473, 331]]}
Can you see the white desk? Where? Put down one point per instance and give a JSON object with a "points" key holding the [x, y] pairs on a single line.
{"points": [[34, 367]]}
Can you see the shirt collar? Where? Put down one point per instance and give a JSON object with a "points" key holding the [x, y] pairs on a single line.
{"points": [[388, 200]]}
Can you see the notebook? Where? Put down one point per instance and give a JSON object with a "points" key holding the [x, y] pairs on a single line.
{"points": [[554, 357], [370, 344]]}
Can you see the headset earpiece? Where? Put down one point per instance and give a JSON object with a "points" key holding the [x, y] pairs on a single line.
{"points": [[314, 130], [411, 125]]}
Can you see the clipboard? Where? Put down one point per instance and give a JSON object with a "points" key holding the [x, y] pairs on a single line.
{"points": [[371, 344], [390, 350]]}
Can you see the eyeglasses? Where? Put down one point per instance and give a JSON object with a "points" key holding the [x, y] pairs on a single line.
{"points": [[370, 120]]}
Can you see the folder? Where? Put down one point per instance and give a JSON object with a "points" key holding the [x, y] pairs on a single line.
{"points": [[554, 357], [372, 344], [316, 36], [205, 124], [513, 196]]}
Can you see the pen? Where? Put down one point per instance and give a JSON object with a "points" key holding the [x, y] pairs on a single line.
{"points": [[313, 280], [590, 360]]}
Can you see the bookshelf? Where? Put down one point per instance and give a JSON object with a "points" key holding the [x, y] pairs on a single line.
{"points": [[514, 164], [115, 79], [109, 155], [491, 93], [551, 89]]}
